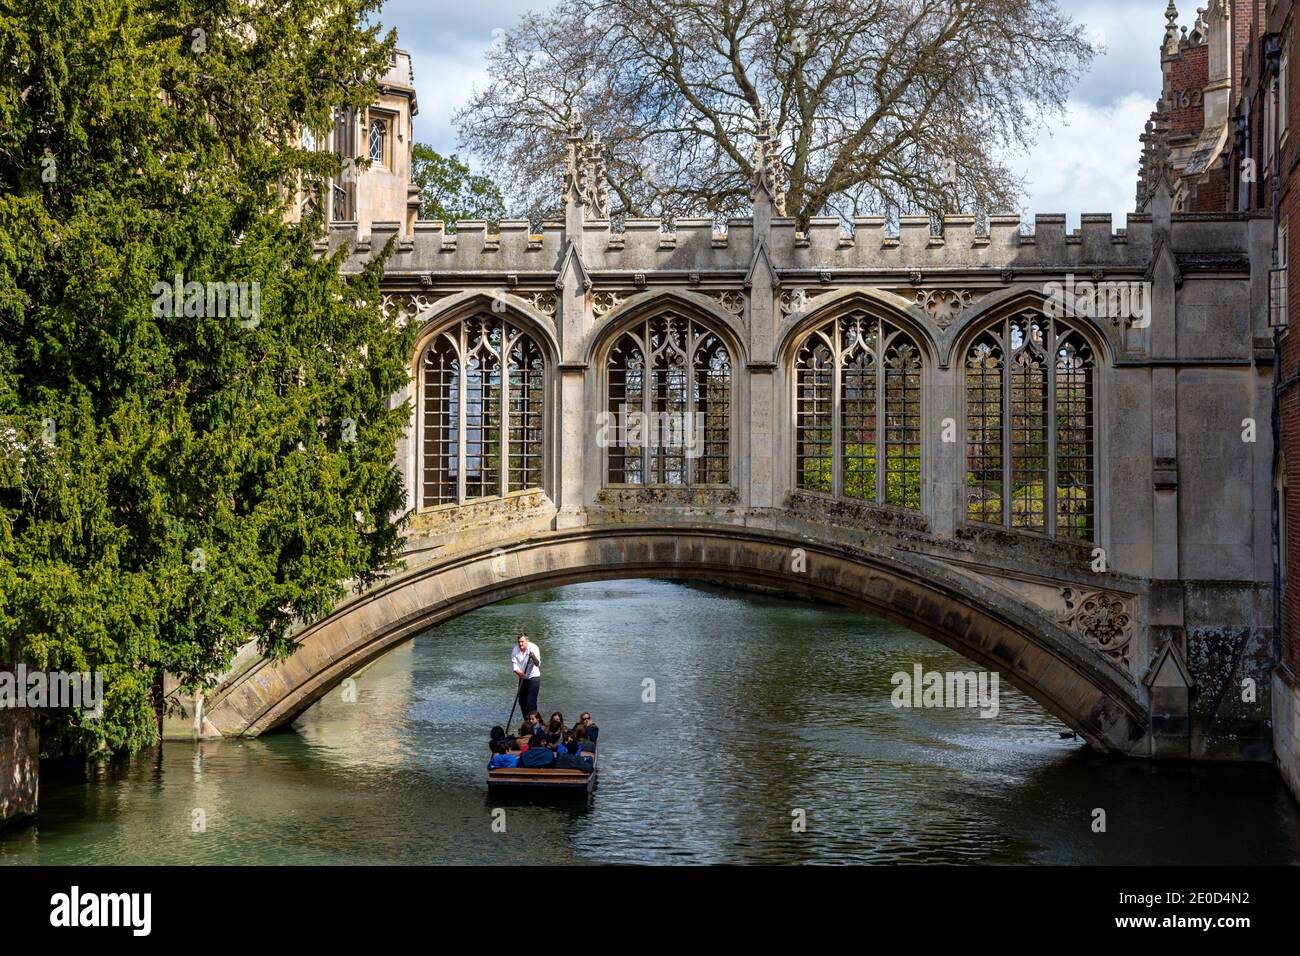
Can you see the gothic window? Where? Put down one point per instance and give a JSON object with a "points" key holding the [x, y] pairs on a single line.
{"points": [[668, 414], [1030, 432], [379, 141], [858, 412], [311, 192], [483, 406]]}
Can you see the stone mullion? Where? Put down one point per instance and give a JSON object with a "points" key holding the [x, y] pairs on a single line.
{"points": [[462, 431], [1005, 438], [837, 420], [647, 406], [688, 463], [879, 365], [503, 441], [1049, 493]]}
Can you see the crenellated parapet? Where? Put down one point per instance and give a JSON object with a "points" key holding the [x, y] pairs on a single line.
{"points": [[1003, 242]]}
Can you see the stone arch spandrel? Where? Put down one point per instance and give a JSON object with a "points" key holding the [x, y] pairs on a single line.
{"points": [[823, 308], [691, 304]]}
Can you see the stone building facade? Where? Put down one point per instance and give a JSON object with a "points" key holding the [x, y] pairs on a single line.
{"points": [[1259, 154], [1268, 114], [376, 144]]}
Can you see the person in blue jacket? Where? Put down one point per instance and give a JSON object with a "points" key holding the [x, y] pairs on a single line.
{"points": [[501, 757], [537, 754], [582, 749]]}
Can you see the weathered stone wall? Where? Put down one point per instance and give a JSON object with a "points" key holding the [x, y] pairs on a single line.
{"points": [[19, 764]]}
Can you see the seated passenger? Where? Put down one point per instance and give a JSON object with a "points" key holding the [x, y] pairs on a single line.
{"points": [[537, 754], [499, 734], [566, 754], [535, 724], [582, 750], [525, 731], [555, 729], [592, 730], [500, 758], [581, 742]]}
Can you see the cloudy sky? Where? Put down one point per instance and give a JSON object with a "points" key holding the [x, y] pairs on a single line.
{"points": [[1086, 165]]}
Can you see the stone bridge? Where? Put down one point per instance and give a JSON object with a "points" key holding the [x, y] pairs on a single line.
{"points": [[1047, 450]]}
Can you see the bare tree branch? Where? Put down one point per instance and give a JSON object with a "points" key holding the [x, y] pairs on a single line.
{"points": [[878, 105]]}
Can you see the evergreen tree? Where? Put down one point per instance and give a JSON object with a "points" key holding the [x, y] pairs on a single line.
{"points": [[172, 487]]}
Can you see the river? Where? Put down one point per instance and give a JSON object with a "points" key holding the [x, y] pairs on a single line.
{"points": [[767, 735]]}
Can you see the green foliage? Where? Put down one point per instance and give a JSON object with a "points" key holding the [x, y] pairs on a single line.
{"points": [[1029, 506], [902, 477], [449, 190], [199, 490]]}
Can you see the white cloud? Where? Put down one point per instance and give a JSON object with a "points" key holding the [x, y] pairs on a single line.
{"points": [[1089, 163]]}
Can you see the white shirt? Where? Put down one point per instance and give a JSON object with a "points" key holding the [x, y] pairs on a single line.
{"points": [[522, 660]]}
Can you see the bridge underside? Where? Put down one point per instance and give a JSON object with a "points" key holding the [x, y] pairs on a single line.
{"points": [[1104, 704]]}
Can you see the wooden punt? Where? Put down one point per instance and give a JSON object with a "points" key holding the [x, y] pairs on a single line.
{"points": [[543, 779]]}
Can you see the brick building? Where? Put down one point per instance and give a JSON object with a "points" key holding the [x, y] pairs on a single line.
{"points": [[1191, 133], [1264, 156]]}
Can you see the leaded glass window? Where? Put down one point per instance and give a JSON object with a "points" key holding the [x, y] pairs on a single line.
{"points": [[858, 412], [483, 412], [1030, 432], [669, 404]]}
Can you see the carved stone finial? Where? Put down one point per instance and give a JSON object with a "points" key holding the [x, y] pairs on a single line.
{"points": [[1170, 45], [598, 181], [585, 181], [767, 162], [1156, 165]]}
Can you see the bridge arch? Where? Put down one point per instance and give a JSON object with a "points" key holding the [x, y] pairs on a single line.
{"points": [[1032, 652]]}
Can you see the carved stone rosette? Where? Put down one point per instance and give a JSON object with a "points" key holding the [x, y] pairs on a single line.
{"points": [[603, 303], [1102, 619], [730, 301], [402, 307], [943, 305], [798, 300]]}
